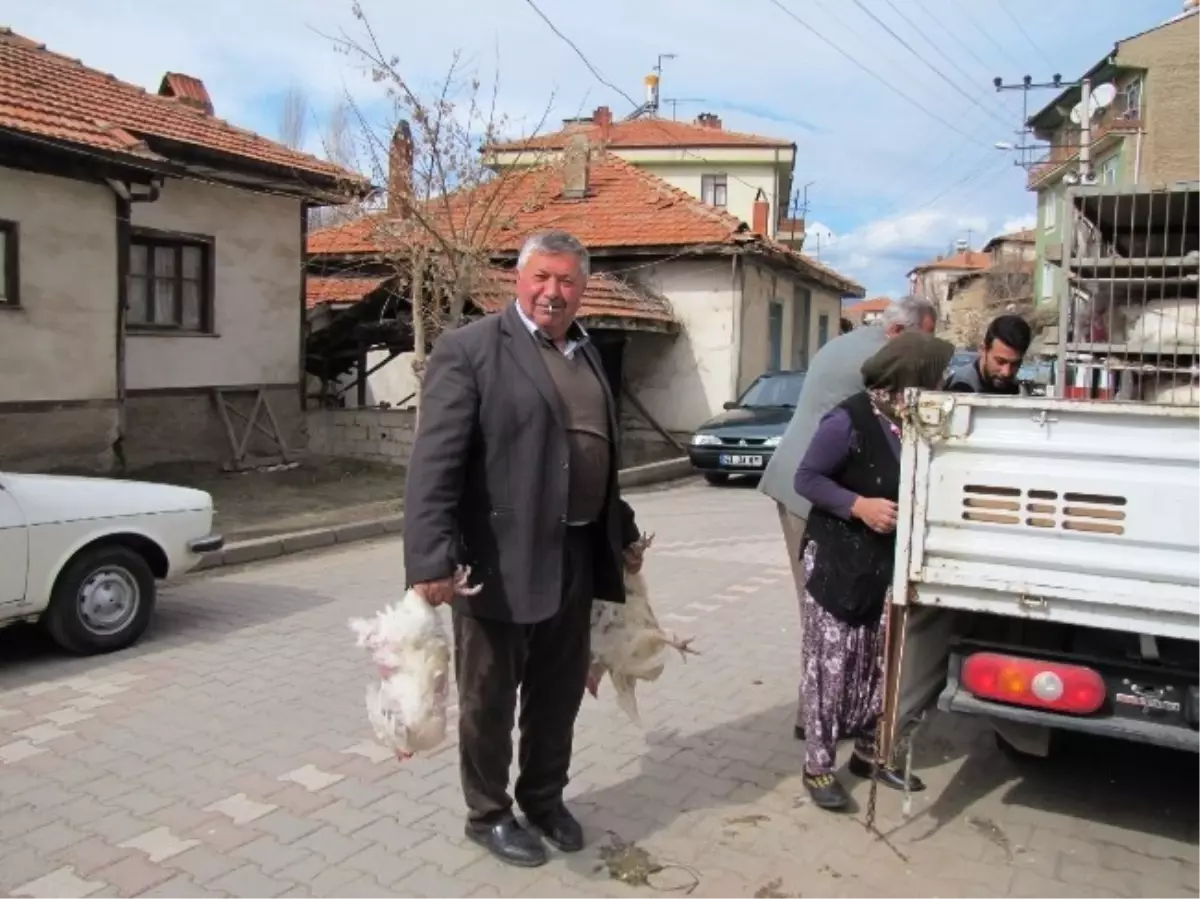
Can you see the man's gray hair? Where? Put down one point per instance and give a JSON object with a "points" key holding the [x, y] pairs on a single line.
{"points": [[555, 243], [908, 312]]}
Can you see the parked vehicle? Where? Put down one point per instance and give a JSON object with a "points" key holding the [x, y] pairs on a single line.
{"points": [[742, 439], [81, 556], [960, 359]]}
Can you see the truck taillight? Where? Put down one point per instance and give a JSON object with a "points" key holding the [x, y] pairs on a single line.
{"points": [[1053, 686]]}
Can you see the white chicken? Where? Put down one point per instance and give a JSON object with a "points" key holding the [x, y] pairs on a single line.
{"points": [[627, 642], [407, 641]]}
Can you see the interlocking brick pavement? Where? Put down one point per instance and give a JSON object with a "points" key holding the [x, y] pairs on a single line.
{"points": [[229, 754]]}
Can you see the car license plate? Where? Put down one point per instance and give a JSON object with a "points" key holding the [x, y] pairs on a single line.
{"points": [[742, 461]]}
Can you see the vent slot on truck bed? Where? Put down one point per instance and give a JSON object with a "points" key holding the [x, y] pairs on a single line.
{"points": [[1094, 513]]}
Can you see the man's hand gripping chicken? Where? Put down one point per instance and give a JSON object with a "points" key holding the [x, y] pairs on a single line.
{"points": [[407, 708], [627, 642]]}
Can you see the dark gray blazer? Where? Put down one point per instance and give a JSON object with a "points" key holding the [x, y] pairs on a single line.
{"points": [[487, 479]]}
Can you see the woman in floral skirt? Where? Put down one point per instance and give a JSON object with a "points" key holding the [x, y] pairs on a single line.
{"points": [[851, 475]]}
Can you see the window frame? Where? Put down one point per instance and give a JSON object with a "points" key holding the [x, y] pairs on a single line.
{"points": [[1050, 212], [10, 265], [708, 189], [156, 240]]}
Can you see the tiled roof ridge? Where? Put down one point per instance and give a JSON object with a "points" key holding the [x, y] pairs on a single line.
{"points": [[561, 137], [177, 107]]}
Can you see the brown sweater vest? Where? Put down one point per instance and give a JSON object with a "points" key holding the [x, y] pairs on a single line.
{"points": [[587, 431]]}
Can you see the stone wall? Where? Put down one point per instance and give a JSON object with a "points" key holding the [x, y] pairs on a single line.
{"points": [[377, 435]]}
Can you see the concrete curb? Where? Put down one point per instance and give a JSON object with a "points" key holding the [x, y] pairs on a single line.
{"points": [[259, 549], [262, 548]]}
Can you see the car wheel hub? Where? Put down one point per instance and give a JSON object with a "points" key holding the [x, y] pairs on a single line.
{"points": [[108, 600]]}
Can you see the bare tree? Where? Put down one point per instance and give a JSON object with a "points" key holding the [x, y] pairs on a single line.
{"points": [[293, 118], [975, 299], [446, 207]]}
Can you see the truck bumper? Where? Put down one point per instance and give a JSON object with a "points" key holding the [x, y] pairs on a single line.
{"points": [[955, 698]]}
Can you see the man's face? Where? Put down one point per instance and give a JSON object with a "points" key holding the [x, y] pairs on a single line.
{"points": [[999, 364], [550, 289]]}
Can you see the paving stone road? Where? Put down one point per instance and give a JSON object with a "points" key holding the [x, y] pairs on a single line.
{"points": [[229, 754]]}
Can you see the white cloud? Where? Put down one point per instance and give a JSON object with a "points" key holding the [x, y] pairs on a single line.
{"points": [[1020, 223], [890, 184]]}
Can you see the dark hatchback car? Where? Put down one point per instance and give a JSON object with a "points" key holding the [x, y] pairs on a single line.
{"points": [[742, 438]]}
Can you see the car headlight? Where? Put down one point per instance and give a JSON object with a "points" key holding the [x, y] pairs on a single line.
{"points": [[705, 440], [773, 441]]}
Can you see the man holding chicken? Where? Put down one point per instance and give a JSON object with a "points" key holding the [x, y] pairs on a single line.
{"points": [[514, 473]]}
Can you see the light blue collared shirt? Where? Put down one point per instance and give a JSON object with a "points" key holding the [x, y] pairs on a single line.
{"points": [[574, 344]]}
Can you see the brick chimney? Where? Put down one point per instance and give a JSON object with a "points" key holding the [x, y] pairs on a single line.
{"points": [[187, 90], [761, 218], [602, 118], [709, 120], [575, 168], [400, 170]]}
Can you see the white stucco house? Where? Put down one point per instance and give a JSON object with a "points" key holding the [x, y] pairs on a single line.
{"points": [[742, 302], [152, 255], [742, 174]]}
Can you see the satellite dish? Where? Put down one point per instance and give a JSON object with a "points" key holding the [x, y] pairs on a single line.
{"points": [[1103, 95]]}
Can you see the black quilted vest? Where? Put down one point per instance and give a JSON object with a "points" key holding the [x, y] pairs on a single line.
{"points": [[854, 564]]}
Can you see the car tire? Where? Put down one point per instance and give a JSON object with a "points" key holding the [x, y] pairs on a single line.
{"points": [[716, 478], [102, 601]]}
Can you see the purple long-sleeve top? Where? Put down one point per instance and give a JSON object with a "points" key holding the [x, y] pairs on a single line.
{"points": [[830, 448]]}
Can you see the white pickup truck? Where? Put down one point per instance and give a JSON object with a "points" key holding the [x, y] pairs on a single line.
{"points": [[81, 555], [1048, 569]]}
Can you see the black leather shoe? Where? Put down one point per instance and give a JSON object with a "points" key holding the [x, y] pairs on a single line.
{"points": [[826, 791], [509, 842], [889, 777], [559, 828]]}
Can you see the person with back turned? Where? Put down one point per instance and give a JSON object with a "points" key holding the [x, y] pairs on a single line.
{"points": [[514, 472]]}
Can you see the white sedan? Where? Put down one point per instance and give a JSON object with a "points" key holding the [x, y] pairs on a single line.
{"points": [[81, 556]]}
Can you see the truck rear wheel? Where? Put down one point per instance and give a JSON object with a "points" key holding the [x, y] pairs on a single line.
{"points": [[102, 601]]}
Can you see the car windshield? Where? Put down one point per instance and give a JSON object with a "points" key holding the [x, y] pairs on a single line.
{"points": [[774, 391]]}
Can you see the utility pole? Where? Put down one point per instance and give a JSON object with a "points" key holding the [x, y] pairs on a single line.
{"points": [[1085, 132], [1025, 85]]}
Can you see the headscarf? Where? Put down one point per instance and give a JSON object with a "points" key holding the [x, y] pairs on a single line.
{"points": [[910, 359]]}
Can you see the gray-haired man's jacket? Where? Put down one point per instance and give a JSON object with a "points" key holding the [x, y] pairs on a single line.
{"points": [[834, 375]]}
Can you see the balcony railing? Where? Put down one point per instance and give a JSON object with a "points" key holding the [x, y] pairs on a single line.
{"points": [[1114, 119]]}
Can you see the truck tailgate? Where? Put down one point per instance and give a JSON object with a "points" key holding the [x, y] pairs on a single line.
{"points": [[1082, 512]]}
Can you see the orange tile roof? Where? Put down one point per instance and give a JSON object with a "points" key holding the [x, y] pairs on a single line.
{"points": [[322, 290], [644, 134], [878, 304], [605, 297], [626, 208], [964, 261], [50, 96]]}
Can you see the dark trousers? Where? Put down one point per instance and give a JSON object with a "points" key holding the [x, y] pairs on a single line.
{"points": [[547, 663]]}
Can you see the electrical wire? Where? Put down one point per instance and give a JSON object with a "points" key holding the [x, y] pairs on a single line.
{"points": [[925, 62], [887, 84], [1025, 34]]}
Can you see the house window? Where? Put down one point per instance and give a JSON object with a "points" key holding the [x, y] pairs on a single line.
{"points": [[1133, 99], [1049, 212], [170, 282], [1047, 290], [1108, 171], [822, 330], [714, 190], [775, 336], [10, 280]]}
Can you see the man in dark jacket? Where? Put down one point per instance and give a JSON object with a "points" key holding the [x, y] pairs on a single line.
{"points": [[514, 472], [995, 371]]}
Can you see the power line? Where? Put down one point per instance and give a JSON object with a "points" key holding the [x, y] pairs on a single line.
{"points": [[579, 53], [907, 46], [955, 38], [891, 87], [1042, 53], [974, 24]]}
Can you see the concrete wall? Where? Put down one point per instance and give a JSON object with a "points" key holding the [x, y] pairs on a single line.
{"points": [[377, 435], [60, 343], [743, 181], [256, 296], [1170, 151]]}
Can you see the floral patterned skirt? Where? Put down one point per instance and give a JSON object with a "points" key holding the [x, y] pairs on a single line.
{"points": [[841, 680]]}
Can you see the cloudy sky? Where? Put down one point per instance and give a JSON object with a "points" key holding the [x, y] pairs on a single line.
{"points": [[900, 156]]}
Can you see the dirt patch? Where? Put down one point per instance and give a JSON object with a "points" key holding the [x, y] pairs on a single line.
{"points": [[317, 492]]}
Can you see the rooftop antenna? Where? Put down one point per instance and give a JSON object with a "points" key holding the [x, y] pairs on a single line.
{"points": [[652, 80]]}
